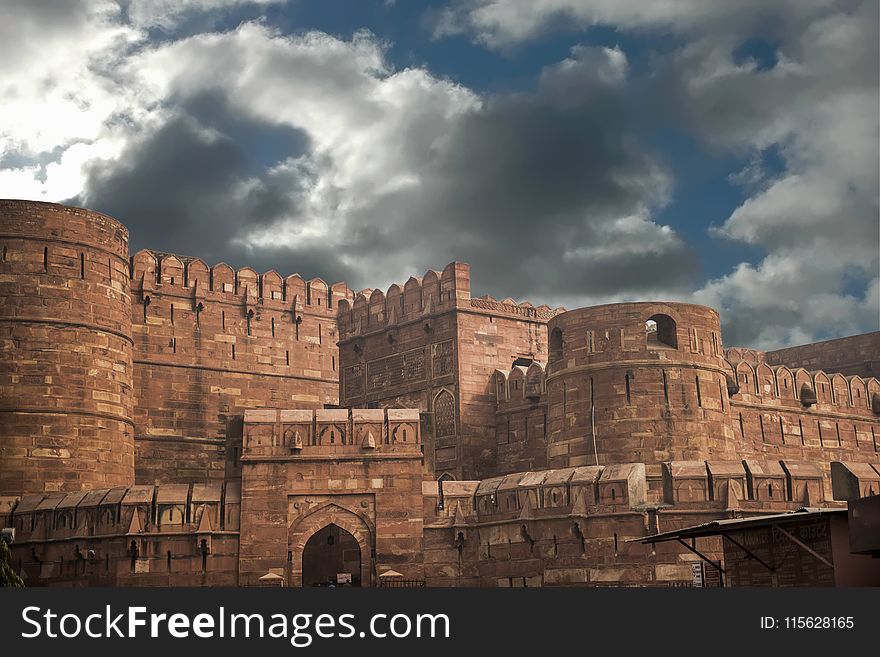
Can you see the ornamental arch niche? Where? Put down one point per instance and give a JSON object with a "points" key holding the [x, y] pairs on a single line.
{"points": [[328, 537], [444, 414]]}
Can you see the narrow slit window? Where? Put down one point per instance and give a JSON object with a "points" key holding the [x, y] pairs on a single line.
{"points": [[82, 265], [233, 352], [628, 389], [287, 356], [273, 327], [699, 393], [45, 258]]}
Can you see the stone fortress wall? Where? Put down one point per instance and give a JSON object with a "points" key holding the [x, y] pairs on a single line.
{"points": [[170, 423]]}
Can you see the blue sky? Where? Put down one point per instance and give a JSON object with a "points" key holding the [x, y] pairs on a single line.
{"points": [[573, 151]]}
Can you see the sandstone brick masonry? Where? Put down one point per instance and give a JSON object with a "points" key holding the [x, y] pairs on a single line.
{"points": [[66, 366], [210, 343], [163, 422]]}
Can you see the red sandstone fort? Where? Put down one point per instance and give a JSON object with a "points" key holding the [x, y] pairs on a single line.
{"points": [[166, 422]]}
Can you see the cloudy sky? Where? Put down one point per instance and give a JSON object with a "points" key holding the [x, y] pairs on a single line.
{"points": [[572, 151]]}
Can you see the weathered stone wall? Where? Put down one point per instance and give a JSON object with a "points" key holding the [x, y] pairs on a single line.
{"points": [[171, 535], [429, 345], [795, 414], [211, 343], [360, 470], [580, 526], [857, 354], [66, 360], [618, 392], [399, 349], [521, 418]]}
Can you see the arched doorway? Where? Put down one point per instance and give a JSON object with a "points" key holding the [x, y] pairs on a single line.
{"points": [[330, 552]]}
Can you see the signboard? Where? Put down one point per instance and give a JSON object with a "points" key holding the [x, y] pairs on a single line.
{"points": [[697, 570], [711, 576], [791, 565], [343, 578]]}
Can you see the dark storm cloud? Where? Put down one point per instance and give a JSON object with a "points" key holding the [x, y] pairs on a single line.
{"points": [[201, 181], [532, 176], [547, 194]]}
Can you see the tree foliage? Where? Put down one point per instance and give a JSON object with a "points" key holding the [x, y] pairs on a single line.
{"points": [[8, 576]]}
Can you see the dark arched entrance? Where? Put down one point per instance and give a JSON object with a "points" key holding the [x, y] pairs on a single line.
{"points": [[330, 552]]}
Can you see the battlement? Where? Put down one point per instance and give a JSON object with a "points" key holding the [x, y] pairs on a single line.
{"points": [[124, 511], [749, 485], [800, 389], [855, 354], [512, 308], [520, 384], [372, 310], [155, 273], [737, 354], [330, 433]]}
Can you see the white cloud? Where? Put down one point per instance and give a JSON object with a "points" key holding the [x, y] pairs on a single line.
{"points": [[168, 13], [503, 23], [816, 105]]}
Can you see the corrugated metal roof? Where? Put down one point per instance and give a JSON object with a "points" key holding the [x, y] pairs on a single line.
{"points": [[723, 526]]}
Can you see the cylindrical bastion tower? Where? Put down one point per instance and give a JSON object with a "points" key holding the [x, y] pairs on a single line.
{"points": [[65, 350], [637, 382]]}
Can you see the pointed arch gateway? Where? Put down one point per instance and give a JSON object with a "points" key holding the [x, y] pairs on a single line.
{"points": [[330, 537]]}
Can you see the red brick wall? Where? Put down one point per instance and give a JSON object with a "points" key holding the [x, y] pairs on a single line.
{"points": [[456, 342], [85, 538], [66, 361], [857, 354], [191, 387], [646, 400], [373, 491]]}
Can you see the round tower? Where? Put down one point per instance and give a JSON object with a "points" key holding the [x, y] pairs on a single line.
{"points": [[65, 350], [637, 382]]}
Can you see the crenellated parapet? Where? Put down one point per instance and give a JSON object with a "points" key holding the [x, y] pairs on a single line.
{"points": [[169, 534], [521, 384], [330, 433], [373, 310], [212, 342], [800, 389], [511, 308], [746, 486], [855, 354], [159, 273]]}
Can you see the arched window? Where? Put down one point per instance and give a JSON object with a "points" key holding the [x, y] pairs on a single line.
{"points": [[555, 345], [444, 414], [660, 331]]}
